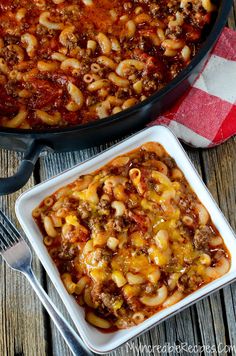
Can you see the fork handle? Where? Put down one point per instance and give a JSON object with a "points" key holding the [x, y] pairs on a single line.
{"points": [[72, 339]]}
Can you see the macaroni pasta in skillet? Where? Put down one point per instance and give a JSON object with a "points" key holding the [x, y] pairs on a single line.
{"points": [[68, 62]]}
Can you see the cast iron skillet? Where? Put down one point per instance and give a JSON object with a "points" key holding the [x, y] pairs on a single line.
{"points": [[33, 142]]}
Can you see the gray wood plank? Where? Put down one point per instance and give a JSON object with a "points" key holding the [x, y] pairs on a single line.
{"points": [[232, 16], [220, 307], [212, 176], [21, 316]]}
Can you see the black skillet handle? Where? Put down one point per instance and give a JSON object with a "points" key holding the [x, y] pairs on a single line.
{"points": [[19, 179]]}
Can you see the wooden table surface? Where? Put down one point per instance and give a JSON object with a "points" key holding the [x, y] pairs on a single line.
{"points": [[25, 328]]}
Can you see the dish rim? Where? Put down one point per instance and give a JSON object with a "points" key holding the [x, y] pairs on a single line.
{"points": [[124, 147]]}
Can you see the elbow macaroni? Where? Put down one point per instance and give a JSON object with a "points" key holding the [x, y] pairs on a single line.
{"points": [[44, 21], [133, 235]]}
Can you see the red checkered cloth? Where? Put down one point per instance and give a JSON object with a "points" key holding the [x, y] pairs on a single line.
{"points": [[206, 115]]}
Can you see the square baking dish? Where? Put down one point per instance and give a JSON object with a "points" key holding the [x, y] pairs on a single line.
{"points": [[96, 340]]}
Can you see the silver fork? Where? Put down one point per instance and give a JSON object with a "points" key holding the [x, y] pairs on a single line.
{"points": [[18, 256]]}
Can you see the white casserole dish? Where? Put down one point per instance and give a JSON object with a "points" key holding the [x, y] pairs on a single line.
{"points": [[104, 342]]}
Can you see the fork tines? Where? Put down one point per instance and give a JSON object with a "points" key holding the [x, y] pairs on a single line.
{"points": [[9, 235]]}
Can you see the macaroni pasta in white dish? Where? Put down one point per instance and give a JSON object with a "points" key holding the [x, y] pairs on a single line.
{"points": [[131, 238]]}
